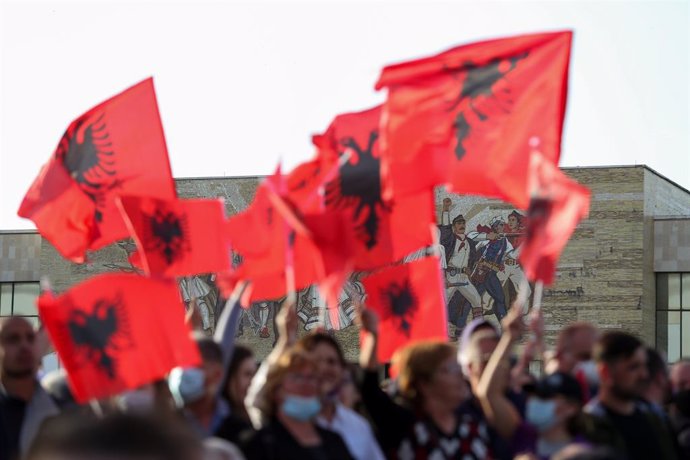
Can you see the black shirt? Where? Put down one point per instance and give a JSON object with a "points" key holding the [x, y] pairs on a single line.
{"points": [[274, 442], [11, 419], [638, 433]]}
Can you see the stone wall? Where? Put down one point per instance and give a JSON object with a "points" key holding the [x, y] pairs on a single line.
{"points": [[672, 245], [20, 253]]}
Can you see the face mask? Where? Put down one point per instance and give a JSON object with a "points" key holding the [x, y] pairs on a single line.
{"points": [[541, 413], [301, 408], [589, 370], [137, 401], [186, 385]]}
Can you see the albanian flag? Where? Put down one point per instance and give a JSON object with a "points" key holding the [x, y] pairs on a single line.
{"points": [[115, 332], [409, 301], [467, 117], [271, 239], [558, 205], [116, 148], [379, 232], [178, 237]]}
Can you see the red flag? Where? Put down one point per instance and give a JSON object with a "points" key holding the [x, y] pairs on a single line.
{"points": [[409, 301], [116, 148], [267, 235], [468, 115], [178, 237], [558, 205], [380, 232], [115, 332]]}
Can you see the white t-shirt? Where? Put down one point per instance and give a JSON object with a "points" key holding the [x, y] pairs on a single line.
{"points": [[355, 431]]}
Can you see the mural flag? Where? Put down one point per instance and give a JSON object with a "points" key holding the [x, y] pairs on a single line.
{"points": [[116, 332], [409, 302], [178, 237], [380, 232], [465, 117], [557, 206], [116, 148]]}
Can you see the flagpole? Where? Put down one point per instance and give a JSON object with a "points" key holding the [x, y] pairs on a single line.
{"points": [[538, 291], [523, 289], [96, 408]]}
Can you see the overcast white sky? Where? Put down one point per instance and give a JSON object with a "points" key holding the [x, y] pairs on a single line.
{"points": [[242, 84]]}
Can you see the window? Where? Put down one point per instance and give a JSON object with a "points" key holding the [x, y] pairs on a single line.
{"points": [[19, 299], [673, 315]]}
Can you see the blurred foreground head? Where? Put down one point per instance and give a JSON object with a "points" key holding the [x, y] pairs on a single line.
{"points": [[115, 437]]}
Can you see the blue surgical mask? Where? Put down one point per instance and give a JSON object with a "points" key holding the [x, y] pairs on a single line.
{"points": [[187, 385], [301, 408], [541, 413]]}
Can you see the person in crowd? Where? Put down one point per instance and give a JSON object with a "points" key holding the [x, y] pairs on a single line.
{"points": [[24, 404], [555, 412], [574, 355], [680, 420], [152, 398], [240, 372], [680, 375], [680, 404], [426, 423], [658, 387], [195, 390], [116, 436], [349, 394], [332, 373], [618, 417], [289, 403]]}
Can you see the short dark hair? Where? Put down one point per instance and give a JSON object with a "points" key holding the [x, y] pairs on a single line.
{"points": [[656, 364], [116, 435], [459, 218], [209, 349], [614, 346], [310, 341]]}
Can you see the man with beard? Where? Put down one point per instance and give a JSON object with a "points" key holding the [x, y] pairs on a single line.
{"points": [[619, 417], [24, 405]]}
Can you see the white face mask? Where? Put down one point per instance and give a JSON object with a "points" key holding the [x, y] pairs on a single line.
{"points": [[137, 401], [589, 370], [186, 385]]}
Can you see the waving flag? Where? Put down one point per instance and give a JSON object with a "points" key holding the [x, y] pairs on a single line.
{"points": [[117, 332], [557, 206], [466, 117], [116, 148], [178, 237], [409, 301], [380, 232], [270, 236]]}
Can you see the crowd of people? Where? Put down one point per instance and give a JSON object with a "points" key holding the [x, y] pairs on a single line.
{"points": [[598, 395]]}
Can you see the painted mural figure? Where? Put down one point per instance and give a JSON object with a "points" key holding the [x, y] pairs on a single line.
{"points": [[258, 314], [460, 257], [512, 272], [312, 311], [205, 295], [493, 248]]}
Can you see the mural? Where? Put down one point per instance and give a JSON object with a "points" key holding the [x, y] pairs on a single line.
{"points": [[479, 244]]}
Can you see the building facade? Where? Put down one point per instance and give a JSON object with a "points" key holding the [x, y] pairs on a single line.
{"points": [[626, 267]]}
